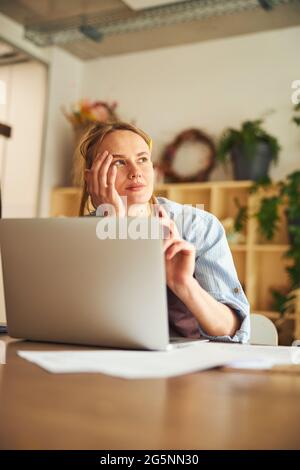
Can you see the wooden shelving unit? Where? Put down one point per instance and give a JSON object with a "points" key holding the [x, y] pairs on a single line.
{"points": [[259, 263]]}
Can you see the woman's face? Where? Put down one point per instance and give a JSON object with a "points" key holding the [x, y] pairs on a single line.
{"points": [[132, 157]]}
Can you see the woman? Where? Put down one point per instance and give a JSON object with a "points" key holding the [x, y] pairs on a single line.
{"points": [[205, 297]]}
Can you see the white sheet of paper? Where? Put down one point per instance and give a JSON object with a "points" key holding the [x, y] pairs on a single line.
{"points": [[262, 357], [130, 364], [157, 364], [2, 352]]}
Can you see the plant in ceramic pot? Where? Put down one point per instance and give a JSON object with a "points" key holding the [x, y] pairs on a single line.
{"points": [[251, 150]]}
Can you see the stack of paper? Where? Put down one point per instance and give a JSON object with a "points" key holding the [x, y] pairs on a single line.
{"points": [[2, 352], [156, 364]]}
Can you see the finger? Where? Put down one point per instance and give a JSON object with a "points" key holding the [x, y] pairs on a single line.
{"points": [[111, 175], [173, 250], [172, 230], [184, 246], [102, 172], [95, 169], [179, 246], [162, 212], [167, 243], [163, 215], [111, 180], [99, 157], [168, 231]]}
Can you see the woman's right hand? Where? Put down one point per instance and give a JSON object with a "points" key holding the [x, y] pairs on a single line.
{"points": [[100, 180]]}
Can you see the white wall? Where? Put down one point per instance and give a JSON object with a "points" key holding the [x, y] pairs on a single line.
{"points": [[20, 155], [210, 85], [65, 74], [52, 165], [64, 82]]}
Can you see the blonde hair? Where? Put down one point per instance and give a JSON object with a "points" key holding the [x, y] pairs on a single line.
{"points": [[88, 148]]}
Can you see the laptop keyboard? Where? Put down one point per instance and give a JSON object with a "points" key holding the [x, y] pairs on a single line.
{"points": [[180, 342]]}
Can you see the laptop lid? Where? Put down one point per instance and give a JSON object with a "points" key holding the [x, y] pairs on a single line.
{"points": [[63, 283]]}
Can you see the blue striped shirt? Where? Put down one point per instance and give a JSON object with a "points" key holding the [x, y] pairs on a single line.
{"points": [[214, 271]]}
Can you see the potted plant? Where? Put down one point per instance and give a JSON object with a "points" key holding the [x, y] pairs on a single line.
{"points": [[288, 195], [290, 191], [251, 150], [284, 193], [296, 118]]}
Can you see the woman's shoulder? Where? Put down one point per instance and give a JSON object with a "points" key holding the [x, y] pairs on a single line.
{"points": [[193, 220]]}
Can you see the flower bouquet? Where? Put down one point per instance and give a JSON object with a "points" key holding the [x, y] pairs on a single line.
{"points": [[81, 115], [86, 112]]}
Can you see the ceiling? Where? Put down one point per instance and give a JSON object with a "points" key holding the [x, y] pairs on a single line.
{"points": [[94, 28], [11, 55]]}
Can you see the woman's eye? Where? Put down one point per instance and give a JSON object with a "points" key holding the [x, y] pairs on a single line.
{"points": [[119, 162], [144, 159]]}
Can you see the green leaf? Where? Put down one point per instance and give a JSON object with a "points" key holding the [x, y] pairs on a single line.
{"points": [[247, 138], [268, 216], [296, 120], [263, 182], [241, 217], [280, 301]]}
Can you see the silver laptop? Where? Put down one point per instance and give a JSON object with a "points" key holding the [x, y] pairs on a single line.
{"points": [[65, 282]]}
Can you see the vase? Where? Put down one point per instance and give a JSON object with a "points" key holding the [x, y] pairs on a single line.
{"points": [[255, 166]]}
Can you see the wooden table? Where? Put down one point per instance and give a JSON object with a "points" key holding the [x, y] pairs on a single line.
{"points": [[217, 409]]}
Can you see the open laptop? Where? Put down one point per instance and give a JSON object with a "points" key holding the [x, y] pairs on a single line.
{"points": [[65, 284]]}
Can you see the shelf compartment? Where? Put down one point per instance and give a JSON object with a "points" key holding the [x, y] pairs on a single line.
{"points": [[280, 235], [275, 315], [270, 273], [281, 248], [65, 202], [161, 193], [239, 258], [225, 202], [237, 247], [195, 197]]}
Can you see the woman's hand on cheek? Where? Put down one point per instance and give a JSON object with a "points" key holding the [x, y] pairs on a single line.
{"points": [[100, 180]]}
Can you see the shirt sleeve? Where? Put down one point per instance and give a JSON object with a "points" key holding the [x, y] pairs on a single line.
{"points": [[216, 273]]}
